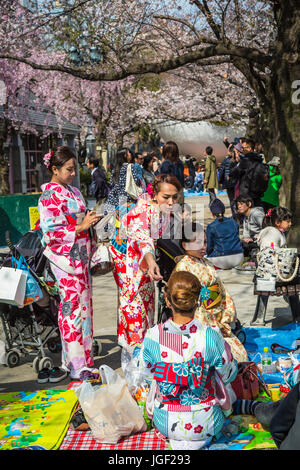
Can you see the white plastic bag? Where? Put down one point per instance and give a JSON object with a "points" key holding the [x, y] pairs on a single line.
{"points": [[110, 410]]}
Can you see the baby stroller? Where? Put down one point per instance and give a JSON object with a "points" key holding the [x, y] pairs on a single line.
{"points": [[168, 250], [29, 330]]}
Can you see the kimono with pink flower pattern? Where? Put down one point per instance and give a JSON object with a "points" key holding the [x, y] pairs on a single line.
{"points": [[140, 227], [61, 208]]}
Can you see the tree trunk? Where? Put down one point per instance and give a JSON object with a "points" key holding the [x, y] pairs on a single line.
{"points": [[284, 121], [4, 170], [278, 122]]}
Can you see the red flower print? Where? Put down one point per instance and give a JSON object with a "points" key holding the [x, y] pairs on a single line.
{"points": [[185, 346], [164, 354], [183, 327], [206, 409], [188, 426], [193, 329], [198, 429], [198, 354], [135, 338], [149, 365]]}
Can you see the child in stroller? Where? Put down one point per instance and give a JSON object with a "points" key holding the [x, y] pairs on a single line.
{"points": [[218, 310]]}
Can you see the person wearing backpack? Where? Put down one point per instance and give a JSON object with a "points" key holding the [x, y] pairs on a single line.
{"points": [[99, 187], [253, 174]]}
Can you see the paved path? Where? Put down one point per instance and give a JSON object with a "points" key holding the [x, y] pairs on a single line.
{"points": [[240, 287]]}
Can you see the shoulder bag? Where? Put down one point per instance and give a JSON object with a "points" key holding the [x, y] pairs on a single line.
{"points": [[131, 188]]}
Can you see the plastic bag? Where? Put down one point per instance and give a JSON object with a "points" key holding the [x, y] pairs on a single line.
{"points": [[33, 292], [134, 377], [292, 375], [110, 410]]}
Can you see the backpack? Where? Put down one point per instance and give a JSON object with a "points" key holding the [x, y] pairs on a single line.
{"points": [[258, 177]]}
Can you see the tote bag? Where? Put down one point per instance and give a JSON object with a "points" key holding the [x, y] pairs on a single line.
{"points": [[12, 286], [280, 264], [131, 188]]}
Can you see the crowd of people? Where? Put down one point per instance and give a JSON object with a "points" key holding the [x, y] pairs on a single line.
{"points": [[195, 348]]}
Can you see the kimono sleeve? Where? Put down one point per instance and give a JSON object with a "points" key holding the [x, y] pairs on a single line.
{"points": [[59, 229], [218, 355], [136, 227], [228, 309]]}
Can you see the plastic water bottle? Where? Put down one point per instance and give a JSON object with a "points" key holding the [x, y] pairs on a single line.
{"points": [[266, 361]]}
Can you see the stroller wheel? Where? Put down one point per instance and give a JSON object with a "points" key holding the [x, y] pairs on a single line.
{"points": [[53, 345], [45, 363], [241, 335], [12, 358]]}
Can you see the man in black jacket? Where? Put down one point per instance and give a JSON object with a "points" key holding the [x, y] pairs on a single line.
{"points": [[99, 188], [251, 173]]}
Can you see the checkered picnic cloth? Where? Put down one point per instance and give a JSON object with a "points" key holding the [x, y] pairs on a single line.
{"points": [[84, 440]]}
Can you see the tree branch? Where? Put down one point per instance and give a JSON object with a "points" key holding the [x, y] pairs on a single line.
{"points": [[134, 68]]}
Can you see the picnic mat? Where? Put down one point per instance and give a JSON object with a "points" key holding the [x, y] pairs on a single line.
{"points": [[35, 418], [84, 440], [244, 432], [259, 338]]}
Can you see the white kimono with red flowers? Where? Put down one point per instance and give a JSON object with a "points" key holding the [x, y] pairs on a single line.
{"points": [[182, 361], [61, 208]]}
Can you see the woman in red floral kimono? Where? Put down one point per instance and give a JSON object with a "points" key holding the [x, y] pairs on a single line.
{"points": [[136, 268], [68, 245]]}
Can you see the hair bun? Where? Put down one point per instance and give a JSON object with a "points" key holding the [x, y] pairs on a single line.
{"points": [[183, 291]]}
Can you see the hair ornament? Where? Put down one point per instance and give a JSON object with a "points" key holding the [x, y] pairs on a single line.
{"points": [[150, 190], [268, 214], [47, 158]]}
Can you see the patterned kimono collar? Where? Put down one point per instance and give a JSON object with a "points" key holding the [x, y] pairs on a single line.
{"points": [[159, 220], [188, 328], [64, 191], [194, 260]]}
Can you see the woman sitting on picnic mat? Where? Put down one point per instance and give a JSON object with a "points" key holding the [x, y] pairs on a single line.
{"points": [[136, 268], [181, 358], [65, 226], [217, 308]]}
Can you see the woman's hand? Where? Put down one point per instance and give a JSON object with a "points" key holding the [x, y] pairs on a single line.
{"points": [[153, 269], [90, 219]]}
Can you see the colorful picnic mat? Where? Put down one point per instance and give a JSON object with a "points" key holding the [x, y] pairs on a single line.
{"points": [[35, 418], [259, 338], [84, 440]]}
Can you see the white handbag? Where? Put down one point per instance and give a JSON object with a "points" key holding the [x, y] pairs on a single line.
{"points": [[281, 264], [12, 286], [131, 188], [101, 262]]}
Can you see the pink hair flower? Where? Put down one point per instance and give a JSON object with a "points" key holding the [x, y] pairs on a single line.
{"points": [[150, 190], [47, 158]]}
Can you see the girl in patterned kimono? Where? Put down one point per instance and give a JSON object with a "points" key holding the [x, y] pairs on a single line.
{"points": [[186, 362], [68, 246], [217, 308], [133, 253]]}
